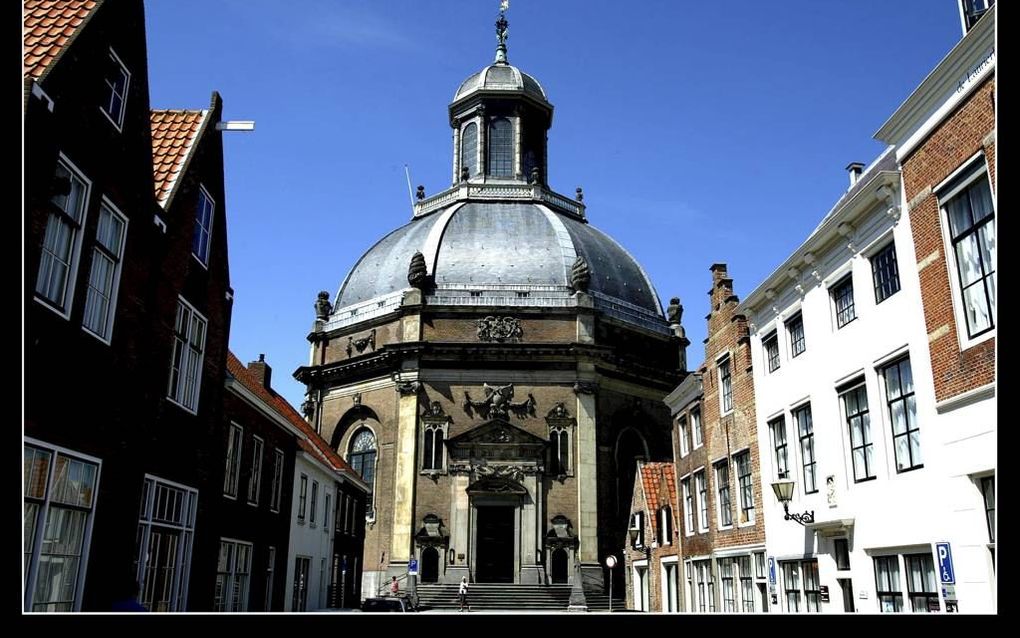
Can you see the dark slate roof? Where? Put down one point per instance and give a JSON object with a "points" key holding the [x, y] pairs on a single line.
{"points": [[501, 77], [505, 243]]}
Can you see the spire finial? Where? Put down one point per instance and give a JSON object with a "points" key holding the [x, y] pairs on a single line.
{"points": [[502, 31]]}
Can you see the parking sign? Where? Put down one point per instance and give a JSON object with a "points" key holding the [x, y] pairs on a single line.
{"points": [[772, 570], [945, 563], [412, 567]]}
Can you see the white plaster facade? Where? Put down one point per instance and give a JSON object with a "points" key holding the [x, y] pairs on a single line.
{"points": [[311, 541]]}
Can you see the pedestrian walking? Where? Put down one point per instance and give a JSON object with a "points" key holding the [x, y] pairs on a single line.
{"points": [[394, 587], [462, 593]]}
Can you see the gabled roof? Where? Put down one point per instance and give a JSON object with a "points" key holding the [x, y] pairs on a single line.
{"points": [[659, 483], [174, 133], [49, 26], [313, 444]]}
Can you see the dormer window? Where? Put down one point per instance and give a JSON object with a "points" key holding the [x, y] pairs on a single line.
{"points": [[501, 148], [117, 80], [469, 149]]}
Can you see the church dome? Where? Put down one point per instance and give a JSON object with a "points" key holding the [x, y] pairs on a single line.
{"points": [[501, 78]]}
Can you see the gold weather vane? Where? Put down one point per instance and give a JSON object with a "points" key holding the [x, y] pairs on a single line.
{"points": [[502, 32]]}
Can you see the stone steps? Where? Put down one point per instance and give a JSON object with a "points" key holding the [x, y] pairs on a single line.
{"points": [[484, 596]]}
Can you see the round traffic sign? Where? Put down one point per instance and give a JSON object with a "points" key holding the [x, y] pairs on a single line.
{"points": [[610, 561]]}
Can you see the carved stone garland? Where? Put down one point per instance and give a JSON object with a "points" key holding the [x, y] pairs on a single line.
{"points": [[500, 329], [360, 344], [499, 403]]}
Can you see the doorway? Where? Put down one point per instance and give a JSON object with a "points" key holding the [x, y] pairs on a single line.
{"points": [[559, 566], [495, 554], [429, 565]]}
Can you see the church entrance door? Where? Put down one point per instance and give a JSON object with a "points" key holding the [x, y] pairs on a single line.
{"points": [[559, 566], [495, 544], [429, 565]]}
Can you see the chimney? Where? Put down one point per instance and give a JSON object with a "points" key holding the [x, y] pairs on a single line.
{"points": [[855, 169], [261, 371]]}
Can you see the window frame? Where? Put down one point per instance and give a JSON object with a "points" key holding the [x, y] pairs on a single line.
{"points": [[796, 320], [270, 573], [911, 423], [185, 539], [724, 500], [77, 230], [174, 396], [255, 476], [475, 164], [725, 368], [681, 424], [302, 499], [701, 489], [970, 172], [869, 442], [727, 585], [695, 419], [689, 527], [983, 483], [373, 456], [848, 314], [809, 437], [784, 461], [664, 529], [221, 604], [313, 504], [506, 152], [232, 471], [770, 346], [118, 122], [203, 194], [327, 498], [276, 496], [430, 432], [745, 487], [885, 272], [895, 595], [100, 250]]}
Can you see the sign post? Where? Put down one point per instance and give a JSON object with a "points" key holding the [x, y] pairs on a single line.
{"points": [[610, 563], [946, 575]]}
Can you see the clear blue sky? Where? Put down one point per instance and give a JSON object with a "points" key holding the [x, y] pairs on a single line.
{"points": [[701, 131]]}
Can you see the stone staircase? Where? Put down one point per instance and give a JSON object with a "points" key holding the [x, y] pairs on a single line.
{"points": [[491, 596]]}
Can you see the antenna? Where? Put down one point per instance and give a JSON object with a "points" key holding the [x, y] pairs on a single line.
{"points": [[410, 195]]}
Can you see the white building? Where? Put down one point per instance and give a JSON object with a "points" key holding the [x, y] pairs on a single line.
{"points": [[311, 533], [846, 409]]}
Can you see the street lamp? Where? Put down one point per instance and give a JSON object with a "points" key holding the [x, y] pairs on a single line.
{"points": [[784, 492], [634, 533]]}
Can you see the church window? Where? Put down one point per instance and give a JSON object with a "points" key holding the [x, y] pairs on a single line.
{"points": [[362, 460], [501, 148], [432, 447], [469, 149]]}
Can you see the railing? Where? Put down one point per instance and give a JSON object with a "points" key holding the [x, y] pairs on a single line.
{"points": [[514, 191], [384, 591]]}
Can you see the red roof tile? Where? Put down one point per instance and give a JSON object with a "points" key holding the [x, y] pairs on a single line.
{"points": [[173, 137], [313, 443], [659, 481], [47, 27]]}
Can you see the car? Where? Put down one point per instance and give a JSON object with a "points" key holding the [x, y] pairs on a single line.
{"points": [[393, 603]]}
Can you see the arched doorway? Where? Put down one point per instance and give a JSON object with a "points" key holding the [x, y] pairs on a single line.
{"points": [[429, 565], [559, 566]]}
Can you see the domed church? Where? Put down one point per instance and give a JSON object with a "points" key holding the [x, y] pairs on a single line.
{"points": [[495, 368]]}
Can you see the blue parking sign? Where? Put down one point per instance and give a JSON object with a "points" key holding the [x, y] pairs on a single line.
{"points": [[772, 570], [945, 557], [412, 567]]}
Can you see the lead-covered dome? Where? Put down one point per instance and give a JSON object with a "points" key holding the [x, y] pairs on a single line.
{"points": [[500, 78]]}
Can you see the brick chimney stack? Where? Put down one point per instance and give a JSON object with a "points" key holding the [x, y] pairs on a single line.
{"points": [[261, 371]]}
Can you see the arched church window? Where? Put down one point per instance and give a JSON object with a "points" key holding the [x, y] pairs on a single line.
{"points": [[469, 149], [362, 460], [501, 148], [432, 454], [560, 440]]}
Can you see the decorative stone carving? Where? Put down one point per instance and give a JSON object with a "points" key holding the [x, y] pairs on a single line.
{"points": [[432, 532], [559, 411], [357, 399], [579, 194], [322, 306], [360, 344], [420, 195], [498, 403], [580, 275], [500, 329], [308, 408], [585, 387], [434, 409], [417, 272], [465, 173], [675, 311], [536, 175], [512, 472], [408, 388]]}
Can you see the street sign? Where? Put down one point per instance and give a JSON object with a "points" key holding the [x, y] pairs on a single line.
{"points": [[945, 563], [412, 567], [772, 570], [824, 591], [610, 561], [949, 592]]}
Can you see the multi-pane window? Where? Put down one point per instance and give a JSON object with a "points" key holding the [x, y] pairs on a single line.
{"points": [[801, 585], [315, 500], [166, 529], [559, 449], [725, 385], [682, 429], [58, 261], [791, 585], [270, 570], [841, 549], [745, 484], [255, 480], [722, 485], [362, 460], [117, 80], [971, 215], [899, 394], [729, 592], [469, 149], [699, 480], [664, 530], [501, 148], [432, 450], [843, 297], [746, 584], [688, 505], [186, 359], [812, 591], [805, 429], [855, 405], [302, 566], [887, 583], [705, 585], [777, 427], [233, 469], [921, 587], [696, 428], [988, 492], [302, 499], [59, 502], [105, 273], [325, 511], [795, 329], [670, 588], [233, 573], [204, 214], [274, 499], [885, 273], [771, 343]]}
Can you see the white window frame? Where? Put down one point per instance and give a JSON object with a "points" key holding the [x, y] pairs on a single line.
{"points": [[847, 432], [202, 191], [302, 502], [797, 315], [903, 576], [314, 503], [255, 478], [665, 523], [689, 506], [682, 428], [327, 500], [735, 472], [270, 572], [724, 360], [187, 355], [41, 518], [119, 122], [186, 527], [665, 600], [719, 485], [770, 424], [695, 420], [977, 165], [773, 337], [106, 334], [429, 429], [225, 604], [232, 471], [278, 466], [63, 309], [701, 500], [641, 586], [837, 281]]}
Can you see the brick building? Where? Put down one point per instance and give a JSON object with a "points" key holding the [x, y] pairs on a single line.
{"points": [[653, 550], [717, 466], [944, 136], [127, 293]]}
